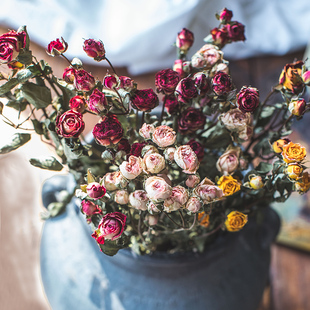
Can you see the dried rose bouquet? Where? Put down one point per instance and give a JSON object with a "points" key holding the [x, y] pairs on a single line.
{"points": [[169, 168]]}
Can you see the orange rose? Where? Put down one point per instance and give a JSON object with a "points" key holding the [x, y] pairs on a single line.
{"points": [[203, 219], [303, 184], [293, 152], [228, 185], [290, 77], [293, 171], [235, 221]]}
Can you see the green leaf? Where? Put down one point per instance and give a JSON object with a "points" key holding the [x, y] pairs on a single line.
{"points": [[263, 168], [48, 163], [6, 87], [17, 140], [217, 137], [112, 247], [38, 127], [17, 105]]}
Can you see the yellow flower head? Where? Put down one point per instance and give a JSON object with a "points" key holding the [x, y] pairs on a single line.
{"points": [[203, 219], [235, 221], [294, 171], [228, 185], [303, 184], [293, 152]]}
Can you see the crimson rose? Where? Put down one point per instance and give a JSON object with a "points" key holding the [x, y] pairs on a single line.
{"points": [[68, 75], [136, 149], [70, 124], [97, 101], [83, 80], [56, 47], [248, 99], [191, 120], [186, 90], [166, 81], [108, 131], [171, 104], [10, 44], [94, 48], [185, 40], [235, 31], [77, 103], [197, 148], [221, 83], [144, 100]]}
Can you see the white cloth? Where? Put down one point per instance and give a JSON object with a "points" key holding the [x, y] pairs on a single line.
{"points": [[140, 34]]}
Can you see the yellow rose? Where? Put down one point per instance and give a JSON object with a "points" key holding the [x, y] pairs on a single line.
{"points": [[228, 185], [235, 221], [293, 171], [303, 184], [277, 146], [203, 219], [290, 77], [256, 182], [293, 152]]}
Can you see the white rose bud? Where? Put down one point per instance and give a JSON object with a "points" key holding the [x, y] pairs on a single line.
{"points": [[132, 168], [169, 154], [148, 149], [121, 197], [152, 208]]}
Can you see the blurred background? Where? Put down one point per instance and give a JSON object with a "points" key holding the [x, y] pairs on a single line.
{"points": [[139, 38]]}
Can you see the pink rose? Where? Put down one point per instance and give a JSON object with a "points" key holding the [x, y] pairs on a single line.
{"points": [[110, 227], [220, 36], [10, 44], [185, 40], [248, 99], [97, 101], [153, 163], [78, 104], [164, 136], [191, 120], [235, 120], [144, 100], [182, 67], [177, 199], [194, 204], [108, 131], [226, 15], [246, 133], [207, 191], [132, 168], [157, 188], [166, 81], [152, 219], [186, 159], [138, 200], [89, 209], [121, 197], [83, 81], [110, 81], [228, 161], [114, 180], [192, 180], [235, 31], [94, 49], [169, 154], [306, 77], [148, 149], [222, 83], [186, 90], [146, 130], [70, 124], [95, 190], [56, 48], [207, 57], [126, 83]]}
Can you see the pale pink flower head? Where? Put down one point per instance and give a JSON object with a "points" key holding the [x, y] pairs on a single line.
{"points": [[164, 136], [121, 197], [177, 199], [169, 153], [152, 207], [152, 219], [89, 209], [208, 192], [148, 149], [132, 168], [153, 163], [192, 180], [207, 56], [95, 190], [114, 180], [235, 120], [194, 204], [138, 199], [186, 159], [157, 188], [146, 130], [228, 161]]}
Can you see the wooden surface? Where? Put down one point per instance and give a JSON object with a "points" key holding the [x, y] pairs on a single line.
{"points": [[20, 284]]}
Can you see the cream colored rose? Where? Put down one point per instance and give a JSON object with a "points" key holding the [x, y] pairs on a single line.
{"points": [[186, 159], [208, 193], [194, 204], [132, 168], [229, 161], [207, 57], [146, 130], [169, 154], [114, 180], [153, 163], [148, 149], [121, 197], [177, 200], [192, 180], [157, 188], [235, 120], [138, 200], [164, 136]]}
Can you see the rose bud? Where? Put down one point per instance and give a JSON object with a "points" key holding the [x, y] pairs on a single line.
{"points": [[95, 190], [228, 161], [221, 83], [121, 197], [197, 148], [132, 168], [171, 104], [202, 83], [110, 227], [153, 163], [219, 36], [89, 209], [169, 154], [225, 15], [297, 107], [10, 44], [146, 130], [192, 180], [83, 81], [97, 101], [152, 207], [194, 204], [77, 104], [166, 81], [136, 149], [235, 31], [68, 75], [293, 171], [152, 219], [108, 131], [191, 120], [256, 182], [56, 48], [186, 90], [235, 120], [203, 219], [182, 67], [207, 57], [248, 99], [124, 145], [157, 188], [303, 183], [114, 180], [94, 49], [126, 83], [177, 199], [228, 185], [164, 136], [290, 77], [15, 65], [144, 100], [185, 40], [186, 159], [306, 77], [110, 81], [293, 152], [149, 149], [70, 124], [138, 200], [235, 221]]}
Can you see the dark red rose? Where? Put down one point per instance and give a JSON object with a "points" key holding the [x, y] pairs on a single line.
{"points": [[186, 90], [166, 81], [197, 148], [68, 75], [136, 149], [221, 83], [83, 81], [185, 40], [10, 44], [191, 120], [220, 36], [94, 48], [226, 15], [110, 227], [70, 124], [78, 104], [108, 131], [202, 83], [171, 104], [123, 145], [248, 99], [56, 47], [144, 100], [97, 101], [235, 31]]}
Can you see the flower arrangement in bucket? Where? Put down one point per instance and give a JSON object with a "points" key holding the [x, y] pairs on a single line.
{"points": [[170, 168]]}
